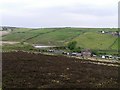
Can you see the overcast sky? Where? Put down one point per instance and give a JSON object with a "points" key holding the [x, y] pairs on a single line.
{"points": [[58, 13]]}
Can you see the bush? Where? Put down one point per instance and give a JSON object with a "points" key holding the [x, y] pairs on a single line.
{"points": [[72, 45], [77, 49]]}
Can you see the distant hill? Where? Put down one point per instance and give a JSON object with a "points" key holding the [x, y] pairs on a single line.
{"points": [[91, 38]]}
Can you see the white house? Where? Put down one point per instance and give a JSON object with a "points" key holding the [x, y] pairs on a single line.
{"points": [[102, 32], [103, 56]]}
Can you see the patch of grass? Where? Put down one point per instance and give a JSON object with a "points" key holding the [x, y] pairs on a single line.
{"points": [[94, 40], [23, 34], [26, 47], [57, 37]]}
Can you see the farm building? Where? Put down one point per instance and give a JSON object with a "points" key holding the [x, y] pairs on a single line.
{"points": [[86, 53], [58, 51], [102, 32], [115, 33], [75, 54], [78, 54], [103, 56], [107, 57], [66, 53]]}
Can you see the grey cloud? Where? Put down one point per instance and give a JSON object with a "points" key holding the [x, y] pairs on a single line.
{"points": [[97, 11], [83, 9], [54, 16]]}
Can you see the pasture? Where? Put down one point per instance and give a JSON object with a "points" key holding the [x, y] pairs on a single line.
{"points": [[86, 37]]}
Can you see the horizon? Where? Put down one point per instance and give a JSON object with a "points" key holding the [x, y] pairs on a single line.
{"points": [[56, 27]]}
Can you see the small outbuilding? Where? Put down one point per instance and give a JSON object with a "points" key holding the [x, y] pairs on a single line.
{"points": [[103, 56], [102, 32], [86, 53], [107, 57]]}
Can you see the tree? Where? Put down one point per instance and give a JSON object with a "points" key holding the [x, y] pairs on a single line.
{"points": [[72, 45], [77, 49]]}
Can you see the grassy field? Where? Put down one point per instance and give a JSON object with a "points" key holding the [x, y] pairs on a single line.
{"points": [[19, 46], [57, 37], [95, 40], [86, 37], [24, 34]]}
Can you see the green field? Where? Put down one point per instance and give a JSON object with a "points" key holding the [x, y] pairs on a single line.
{"points": [[95, 40], [24, 34], [86, 37]]}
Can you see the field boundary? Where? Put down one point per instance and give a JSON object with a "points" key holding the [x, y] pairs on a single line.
{"points": [[38, 35], [112, 44], [70, 39]]}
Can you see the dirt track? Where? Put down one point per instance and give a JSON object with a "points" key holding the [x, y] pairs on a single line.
{"points": [[2, 33], [7, 42], [25, 70]]}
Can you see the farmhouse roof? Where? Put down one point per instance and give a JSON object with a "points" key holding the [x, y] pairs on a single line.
{"points": [[86, 50]]}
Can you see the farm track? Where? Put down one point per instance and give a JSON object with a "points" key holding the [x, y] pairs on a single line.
{"points": [[8, 42], [104, 62], [70, 39], [27, 70], [4, 33]]}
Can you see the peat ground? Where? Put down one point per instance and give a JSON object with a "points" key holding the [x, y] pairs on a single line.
{"points": [[25, 70]]}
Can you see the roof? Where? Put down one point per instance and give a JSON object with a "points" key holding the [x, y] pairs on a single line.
{"points": [[86, 50]]}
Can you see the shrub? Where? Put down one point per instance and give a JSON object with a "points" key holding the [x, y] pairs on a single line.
{"points": [[72, 45]]}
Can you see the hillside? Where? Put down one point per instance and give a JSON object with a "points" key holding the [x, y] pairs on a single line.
{"points": [[85, 37], [95, 40]]}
